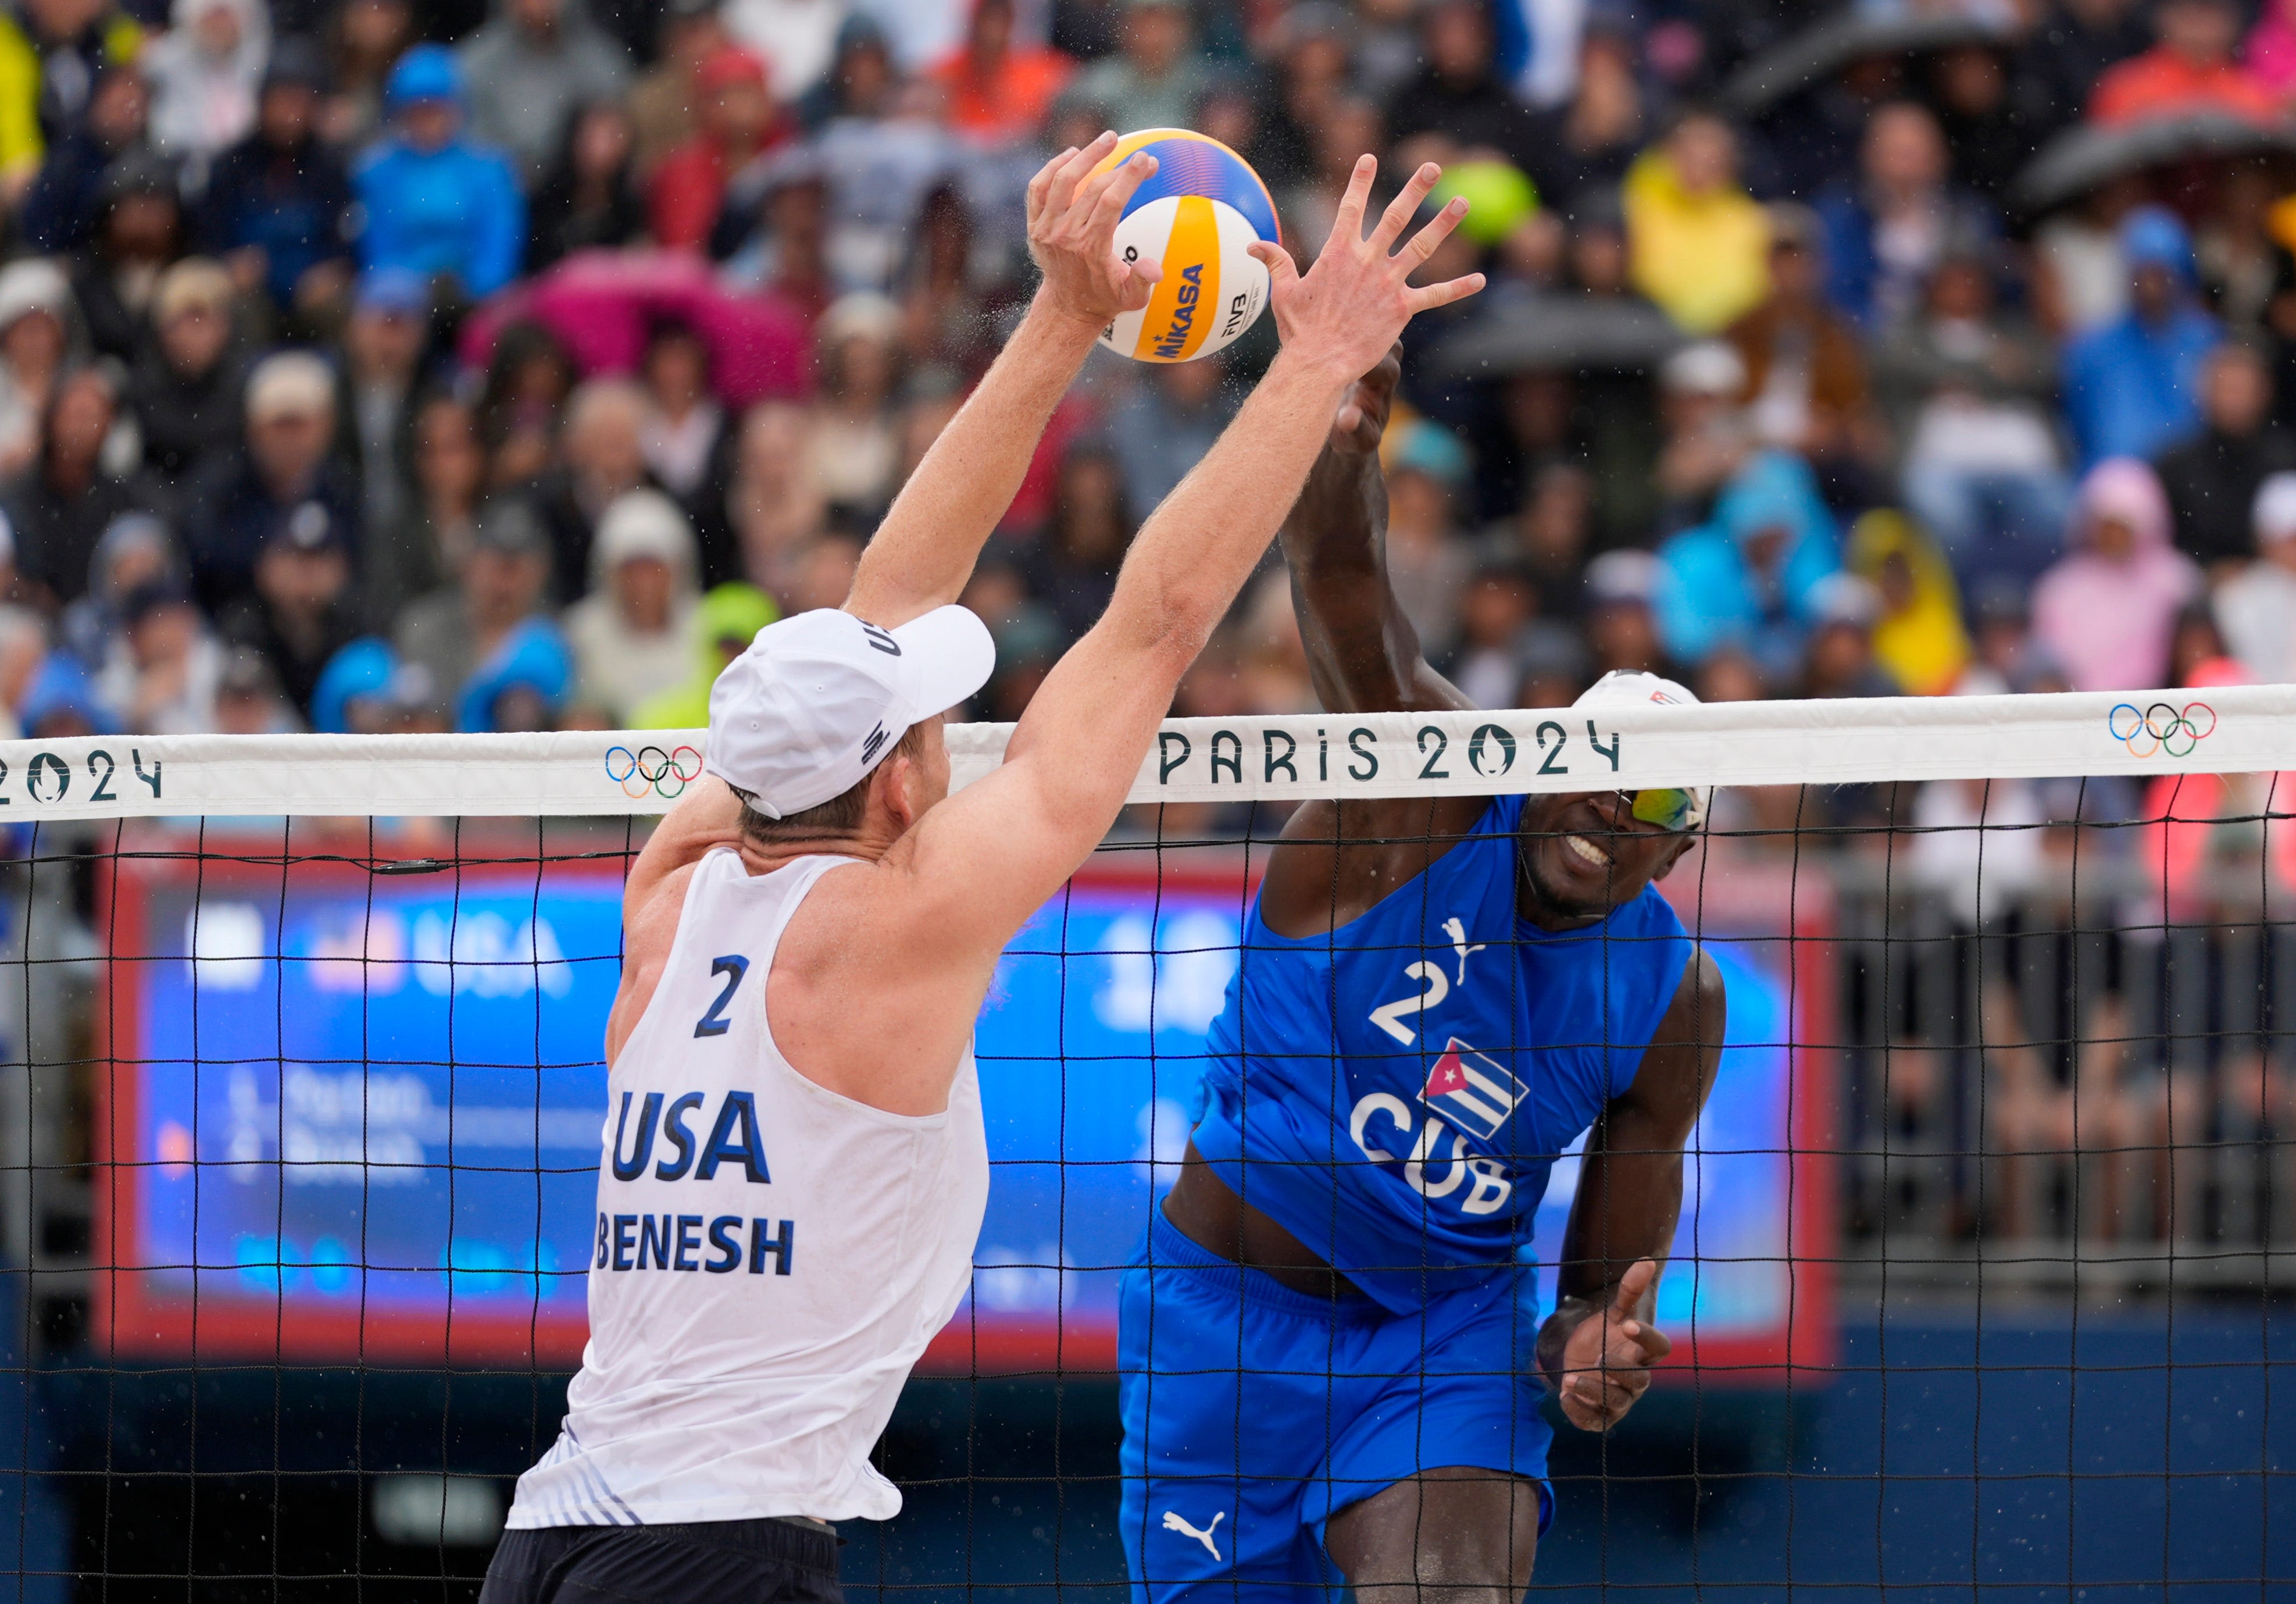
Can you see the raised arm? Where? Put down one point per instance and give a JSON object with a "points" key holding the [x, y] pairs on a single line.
{"points": [[1362, 651], [998, 849], [1338, 858], [923, 552], [1597, 1348]]}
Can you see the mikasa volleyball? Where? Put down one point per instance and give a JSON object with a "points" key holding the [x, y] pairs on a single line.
{"points": [[1196, 216]]}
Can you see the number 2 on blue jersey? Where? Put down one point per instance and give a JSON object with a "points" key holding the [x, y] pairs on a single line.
{"points": [[733, 966]]}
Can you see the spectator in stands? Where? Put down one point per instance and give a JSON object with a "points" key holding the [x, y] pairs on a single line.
{"points": [[2106, 611], [1073, 570], [206, 72], [38, 333], [502, 581], [425, 547], [533, 65], [2191, 69], [998, 89], [277, 203], [59, 507], [723, 625], [1583, 150], [1168, 424], [603, 453], [436, 203], [139, 230], [247, 701], [774, 505], [383, 367], [1495, 609], [661, 104], [1747, 578], [368, 38], [2212, 478], [185, 388], [1966, 390], [135, 550], [1458, 102], [738, 122], [165, 683], [1839, 659], [1706, 433], [300, 613], [855, 452], [1806, 389], [683, 418], [1428, 472], [60, 212], [803, 43], [2132, 386], [51, 54], [287, 477], [522, 685], [2256, 608], [1698, 244], [589, 200], [1917, 638], [1886, 232], [632, 636], [1156, 78]]}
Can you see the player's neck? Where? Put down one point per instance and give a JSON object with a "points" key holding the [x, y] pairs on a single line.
{"points": [[870, 842]]}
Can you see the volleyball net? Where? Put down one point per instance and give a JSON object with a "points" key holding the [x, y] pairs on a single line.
{"points": [[1981, 1281]]}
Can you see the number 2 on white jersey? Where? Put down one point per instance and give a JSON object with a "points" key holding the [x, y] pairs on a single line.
{"points": [[1389, 1015]]}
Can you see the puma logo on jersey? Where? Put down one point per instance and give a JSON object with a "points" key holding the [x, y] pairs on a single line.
{"points": [[1456, 929], [1175, 1523]]}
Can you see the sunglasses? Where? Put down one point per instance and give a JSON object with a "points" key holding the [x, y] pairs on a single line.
{"points": [[1669, 809]]}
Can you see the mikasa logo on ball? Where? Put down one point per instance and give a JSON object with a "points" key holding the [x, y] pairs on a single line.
{"points": [[1197, 217]]}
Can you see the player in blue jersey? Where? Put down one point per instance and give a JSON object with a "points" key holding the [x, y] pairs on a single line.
{"points": [[1330, 1352]]}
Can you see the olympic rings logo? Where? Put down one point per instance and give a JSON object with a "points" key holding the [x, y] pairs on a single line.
{"points": [[2161, 727], [666, 773]]}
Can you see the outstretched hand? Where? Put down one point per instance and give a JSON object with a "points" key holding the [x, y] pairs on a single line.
{"points": [[1607, 1358], [1072, 217], [1351, 305]]}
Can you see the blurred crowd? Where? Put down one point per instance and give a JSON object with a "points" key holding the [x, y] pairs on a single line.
{"points": [[426, 364]]}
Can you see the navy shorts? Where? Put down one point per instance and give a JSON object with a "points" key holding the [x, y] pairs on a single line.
{"points": [[706, 1562], [1252, 1414]]}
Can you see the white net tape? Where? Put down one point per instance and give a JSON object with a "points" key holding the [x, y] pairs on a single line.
{"points": [[2229, 730]]}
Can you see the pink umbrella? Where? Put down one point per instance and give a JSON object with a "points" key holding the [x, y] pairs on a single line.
{"points": [[601, 303]]}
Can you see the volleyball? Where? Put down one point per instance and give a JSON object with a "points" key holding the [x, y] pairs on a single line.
{"points": [[1197, 216]]}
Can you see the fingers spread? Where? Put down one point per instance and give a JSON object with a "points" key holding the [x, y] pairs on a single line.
{"points": [[1438, 229], [1041, 185], [1405, 206], [1347, 223], [1443, 294], [1281, 268]]}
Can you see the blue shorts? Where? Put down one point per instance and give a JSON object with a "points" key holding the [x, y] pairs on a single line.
{"points": [[1252, 1414]]}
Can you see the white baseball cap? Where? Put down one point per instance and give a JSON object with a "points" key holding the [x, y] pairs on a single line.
{"points": [[819, 699]]}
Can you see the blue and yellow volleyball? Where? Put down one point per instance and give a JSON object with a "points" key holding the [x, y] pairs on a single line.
{"points": [[1197, 216]]}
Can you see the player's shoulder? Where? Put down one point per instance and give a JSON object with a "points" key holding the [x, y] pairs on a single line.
{"points": [[1700, 1002]]}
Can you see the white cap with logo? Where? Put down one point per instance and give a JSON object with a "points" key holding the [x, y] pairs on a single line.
{"points": [[818, 700]]}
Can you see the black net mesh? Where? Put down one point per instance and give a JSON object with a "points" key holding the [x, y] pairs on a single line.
{"points": [[1980, 1284]]}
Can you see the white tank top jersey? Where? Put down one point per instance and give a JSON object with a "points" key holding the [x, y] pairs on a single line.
{"points": [[769, 1258]]}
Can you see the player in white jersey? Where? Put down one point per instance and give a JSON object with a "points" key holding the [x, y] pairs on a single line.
{"points": [[794, 1169]]}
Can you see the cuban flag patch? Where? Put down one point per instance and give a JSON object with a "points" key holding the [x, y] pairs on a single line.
{"points": [[1473, 1092]]}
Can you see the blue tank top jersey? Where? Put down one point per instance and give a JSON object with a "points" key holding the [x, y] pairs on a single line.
{"points": [[1396, 1092]]}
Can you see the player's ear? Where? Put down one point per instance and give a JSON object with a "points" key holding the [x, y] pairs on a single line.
{"points": [[1682, 843], [898, 785]]}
